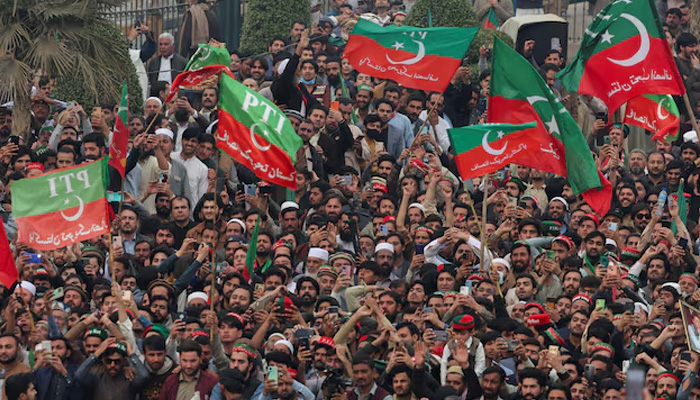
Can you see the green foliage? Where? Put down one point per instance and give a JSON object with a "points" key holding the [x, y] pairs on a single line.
{"points": [[457, 13], [485, 36], [72, 87], [265, 19]]}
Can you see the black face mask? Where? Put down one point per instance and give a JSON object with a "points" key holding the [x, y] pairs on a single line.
{"points": [[373, 133]]}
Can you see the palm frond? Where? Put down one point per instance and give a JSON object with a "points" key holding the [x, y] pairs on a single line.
{"points": [[63, 9], [50, 54], [14, 36], [14, 76]]}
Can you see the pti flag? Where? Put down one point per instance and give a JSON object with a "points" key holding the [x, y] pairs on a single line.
{"points": [[249, 271], [62, 207], [491, 19], [206, 62], [418, 58], [561, 147], [256, 133], [624, 54], [120, 138], [656, 113], [482, 149]]}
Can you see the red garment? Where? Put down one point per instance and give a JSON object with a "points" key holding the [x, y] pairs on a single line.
{"points": [[205, 384]]}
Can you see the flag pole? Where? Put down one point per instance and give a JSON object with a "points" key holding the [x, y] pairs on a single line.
{"points": [[427, 116], [150, 124], [688, 107], [212, 288], [484, 206], [111, 257]]}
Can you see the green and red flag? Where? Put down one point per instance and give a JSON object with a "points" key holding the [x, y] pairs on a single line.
{"points": [[561, 149], [491, 19], [656, 113], [249, 271], [482, 149], [624, 54], [120, 137], [62, 207], [256, 133], [206, 62], [418, 58], [680, 199]]}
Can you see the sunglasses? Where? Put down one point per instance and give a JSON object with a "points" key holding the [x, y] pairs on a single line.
{"points": [[110, 361], [643, 216]]}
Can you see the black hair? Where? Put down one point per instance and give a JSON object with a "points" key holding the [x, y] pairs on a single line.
{"points": [[154, 342], [190, 345], [18, 384]]}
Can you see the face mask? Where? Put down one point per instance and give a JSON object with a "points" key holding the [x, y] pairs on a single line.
{"points": [[372, 133], [307, 82]]}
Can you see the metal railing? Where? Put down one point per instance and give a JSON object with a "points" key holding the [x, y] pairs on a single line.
{"points": [[159, 15]]}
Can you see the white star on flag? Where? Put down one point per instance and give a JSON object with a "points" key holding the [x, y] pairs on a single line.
{"points": [[606, 37], [501, 134], [552, 126], [397, 45]]}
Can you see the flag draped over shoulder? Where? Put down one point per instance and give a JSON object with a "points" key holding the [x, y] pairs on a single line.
{"points": [[562, 149], [120, 138], [624, 54], [256, 133], [62, 207], [418, 58]]}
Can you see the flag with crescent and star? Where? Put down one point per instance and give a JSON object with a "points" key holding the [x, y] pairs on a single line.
{"points": [[120, 137], [206, 62], [624, 54], [207, 54], [656, 113], [561, 147], [256, 133], [417, 58], [62, 207], [482, 149]]}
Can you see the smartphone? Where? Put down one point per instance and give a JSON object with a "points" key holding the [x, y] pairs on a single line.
{"points": [[332, 310], [512, 202], [383, 229], [666, 224], [466, 289], [613, 226], [551, 302], [137, 23], [46, 345], [683, 242], [347, 180], [272, 373], [606, 139], [589, 373], [600, 304], [637, 308], [428, 310], [553, 350], [420, 248], [250, 189], [57, 293], [549, 254], [604, 261], [554, 43], [117, 242], [127, 295], [259, 290], [70, 104], [636, 378], [603, 116], [512, 344], [14, 139], [304, 342], [304, 333], [441, 336], [686, 356], [625, 365], [335, 105], [162, 178], [114, 197], [33, 258], [181, 316]]}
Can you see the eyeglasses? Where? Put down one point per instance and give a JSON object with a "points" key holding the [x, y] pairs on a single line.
{"points": [[643, 216], [110, 361]]}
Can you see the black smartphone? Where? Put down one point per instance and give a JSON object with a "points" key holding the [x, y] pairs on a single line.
{"points": [[683, 242], [14, 139], [137, 23], [419, 248], [686, 356], [666, 223], [589, 373], [304, 342]]}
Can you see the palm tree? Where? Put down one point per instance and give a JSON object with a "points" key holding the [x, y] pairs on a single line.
{"points": [[56, 38]]}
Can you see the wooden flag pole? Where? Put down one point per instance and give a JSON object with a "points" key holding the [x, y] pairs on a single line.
{"points": [[212, 288], [111, 259], [484, 207], [427, 117], [688, 107]]}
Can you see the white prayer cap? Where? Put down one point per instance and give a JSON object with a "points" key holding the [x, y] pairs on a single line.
{"points": [[690, 136], [501, 261], [287, 343], [561, 200], [197, 295], [160, 103], [237, 221], [610, 242], [418, 206], [165, 132], [289, 204], [28, 286], [384, 246], [318, 252]]}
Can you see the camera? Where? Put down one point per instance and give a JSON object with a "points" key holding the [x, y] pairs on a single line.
{"points": [[336, 382]]}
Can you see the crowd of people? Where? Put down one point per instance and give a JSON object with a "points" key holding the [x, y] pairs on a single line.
{"points": [[379, 277]]}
